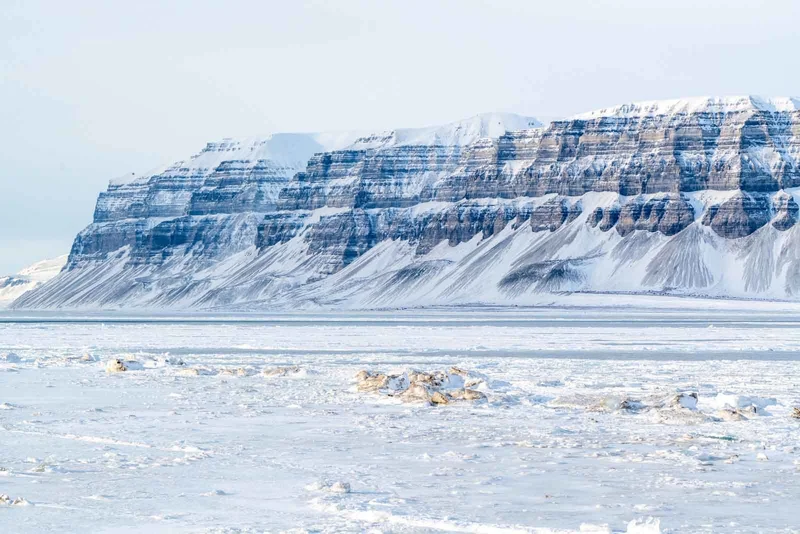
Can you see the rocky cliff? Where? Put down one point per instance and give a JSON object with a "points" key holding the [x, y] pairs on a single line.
{"points": [[692, 196]]}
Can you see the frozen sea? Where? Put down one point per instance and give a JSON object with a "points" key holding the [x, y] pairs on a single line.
{"points": [[577, 433]]}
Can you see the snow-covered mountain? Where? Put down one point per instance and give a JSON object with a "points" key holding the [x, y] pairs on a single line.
{"points": [[701, 104], [460, 133], [692, 196], [14, 286]]}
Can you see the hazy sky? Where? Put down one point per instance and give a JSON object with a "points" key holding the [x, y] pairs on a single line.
{"points": [[94, 90]]}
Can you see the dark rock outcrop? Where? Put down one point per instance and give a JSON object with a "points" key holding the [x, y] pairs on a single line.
{"points": [[739, 216], [786, 210], [604, 218], [668, 215], [553, 214]]}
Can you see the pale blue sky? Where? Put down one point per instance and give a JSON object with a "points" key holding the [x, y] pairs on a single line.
{"points": [[93, 90]]}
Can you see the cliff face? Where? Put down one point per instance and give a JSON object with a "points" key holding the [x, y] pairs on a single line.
{"points": [[689, 196]]}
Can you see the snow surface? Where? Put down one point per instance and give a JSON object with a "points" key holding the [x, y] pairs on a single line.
{"points": [[291, 150], [460, 133], [580, 431], [12, 287], [703, 104]]}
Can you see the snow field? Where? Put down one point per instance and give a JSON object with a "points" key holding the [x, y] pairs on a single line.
{"points": [[590, 424]]}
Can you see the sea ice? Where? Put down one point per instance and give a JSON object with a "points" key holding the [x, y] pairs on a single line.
{"points": [[555, 421]]}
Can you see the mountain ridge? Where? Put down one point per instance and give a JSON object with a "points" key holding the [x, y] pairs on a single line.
{"points": [[701, 104], [28, 278], [683, 197]]}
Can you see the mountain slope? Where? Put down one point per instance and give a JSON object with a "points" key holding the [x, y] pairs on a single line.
{"points": [[32, 276], [694, 196]]}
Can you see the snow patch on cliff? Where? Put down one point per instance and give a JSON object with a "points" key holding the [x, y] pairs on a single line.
{"points": [[702, 104], [459, 133], [289, 150]]}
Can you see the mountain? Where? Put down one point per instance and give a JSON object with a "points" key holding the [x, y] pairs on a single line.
{"points": [[690, 197], [32, 276]]}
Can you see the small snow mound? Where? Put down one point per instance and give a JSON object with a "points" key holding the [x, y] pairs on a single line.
{"points": [[214, 493], [731, 414], [685, 400], [594, 529], [340, 487], [237, 371], [164, 361], [196, 371], [741, 402], [330, 487], [599, 403], [291, 371], [649, 525], [116, 366], [19, 501]]}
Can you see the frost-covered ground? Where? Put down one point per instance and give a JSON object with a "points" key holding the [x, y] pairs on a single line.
{"points": [[578, 430]]}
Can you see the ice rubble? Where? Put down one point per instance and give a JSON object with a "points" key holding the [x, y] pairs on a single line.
{"points": [[680, 408], [178, 367], [10, 357], [337, 487], [432, 388], [648, 525], [116, 366], [291, 371], [8, 501]]}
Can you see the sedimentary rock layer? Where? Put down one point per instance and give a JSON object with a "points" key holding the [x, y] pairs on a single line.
{"points": [[693, 196]]}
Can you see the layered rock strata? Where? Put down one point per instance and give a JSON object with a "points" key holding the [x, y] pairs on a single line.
{"points": [[693, 196]]}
